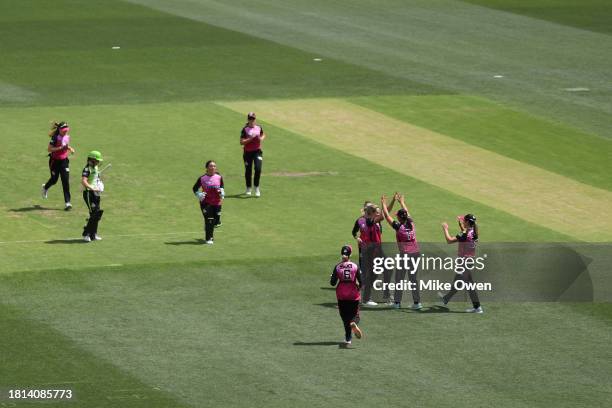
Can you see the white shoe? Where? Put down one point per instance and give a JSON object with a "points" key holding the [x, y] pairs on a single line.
{"points": [[257, 192], [248, 191], [345, 343], [370, 303], [86, 238], [417, 306], [43, 192], [475, 310], [210, 242], [68, 206], [97, 237]]}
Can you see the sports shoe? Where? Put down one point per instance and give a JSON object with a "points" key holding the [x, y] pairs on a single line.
{"points": [[345, 344], [68, 206], [356, 330], [97, 237], [442, 302], [396, 305], [210, 242], [43, 192], [370, 303], [416, 306], [257, 192], [248, 191], [218, 225], [86, 238], [474, 310]]}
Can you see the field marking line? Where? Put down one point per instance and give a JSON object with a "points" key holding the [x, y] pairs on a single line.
{"points": [[523, 190], [109, 236]]}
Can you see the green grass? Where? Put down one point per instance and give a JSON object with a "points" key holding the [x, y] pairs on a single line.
{"points": [[150, 193], [448, 44], [265, 332], [595, 15], [60, 54], [151, 317], [526, 138]]}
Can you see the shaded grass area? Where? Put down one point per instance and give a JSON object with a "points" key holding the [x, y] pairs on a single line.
{"points": [[594, 15], [61, 53], [224, 333], [39, 356]]}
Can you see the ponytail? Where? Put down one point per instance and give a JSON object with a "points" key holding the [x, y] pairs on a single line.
{"points": [[54, 129]]}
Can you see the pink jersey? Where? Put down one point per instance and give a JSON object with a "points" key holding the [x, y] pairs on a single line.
{"points": [[406, 237], [467, 243], [255, 144], [57, 141], [347, 289], [363, 229], [212, 185], [372, 233]]}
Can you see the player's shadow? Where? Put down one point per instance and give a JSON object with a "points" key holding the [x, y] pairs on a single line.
{"points": [[33, 208], [241, 196], [196, 241], [316, 343], [432, 309], [327, 288], [331, 305], [66, 241]]}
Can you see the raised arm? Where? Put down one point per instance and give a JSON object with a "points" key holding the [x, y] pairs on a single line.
{"points": [[447, 236], [403, 203], [385, 210]]}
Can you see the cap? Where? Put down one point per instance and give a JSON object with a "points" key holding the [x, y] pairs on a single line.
{"points": [[346, 250], [471, 218], [251, 115], [94, 154], [62, 125]]}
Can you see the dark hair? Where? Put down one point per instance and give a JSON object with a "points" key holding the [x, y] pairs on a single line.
{"points": [[208, 163], [471, 221]]}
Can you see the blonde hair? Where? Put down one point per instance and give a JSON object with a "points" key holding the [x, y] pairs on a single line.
{"points": [[54, 129]]}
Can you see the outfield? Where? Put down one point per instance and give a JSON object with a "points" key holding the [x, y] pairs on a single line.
{"points": [[501, 108]]}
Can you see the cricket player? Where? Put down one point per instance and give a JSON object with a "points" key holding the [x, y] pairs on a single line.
{"points": [[59, 148], [346, 276], [90, 180], [405, 235], [251, 137], [467, 240], [211, 198]]}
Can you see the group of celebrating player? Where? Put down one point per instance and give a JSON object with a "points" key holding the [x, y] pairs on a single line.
{"points": [[354, 282]]}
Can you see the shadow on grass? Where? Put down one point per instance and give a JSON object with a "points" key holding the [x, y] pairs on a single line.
{"points": [[328, 288], [240, 196], [316, 343], [66, 241], [433, 309], [196, 241], [34, 208], [331, 305]]}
